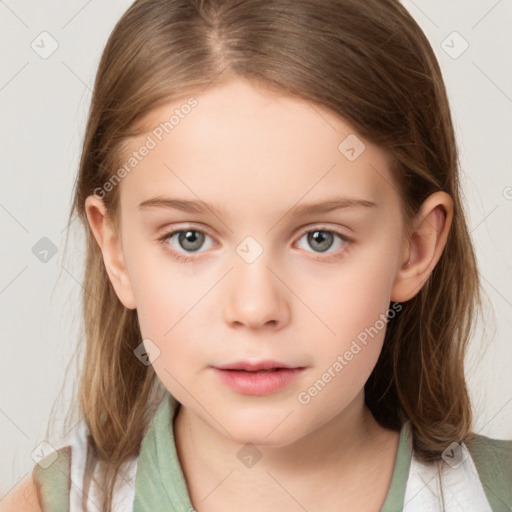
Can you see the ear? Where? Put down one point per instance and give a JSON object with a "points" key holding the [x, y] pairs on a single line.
{"points": [[424, 246], [110, 245]]}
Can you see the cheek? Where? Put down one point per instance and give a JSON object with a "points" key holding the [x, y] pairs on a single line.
{"points": [[359, 302], [167, 309], [356, 296], [163, 290], [170, 309], [169, 314], [355, 308]]}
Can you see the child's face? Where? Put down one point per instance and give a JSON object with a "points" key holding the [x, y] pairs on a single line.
{"points": [[256, 288]]}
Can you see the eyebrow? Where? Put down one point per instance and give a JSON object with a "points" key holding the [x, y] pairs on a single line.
{"points": [[303, 209]]}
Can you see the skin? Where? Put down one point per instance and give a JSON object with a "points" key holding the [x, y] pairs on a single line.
{"points": [[258, 154], [23, 498]]}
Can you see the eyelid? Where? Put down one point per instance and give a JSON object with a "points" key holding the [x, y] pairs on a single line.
{"points": [[323, 227], [166, 234], [166, 231]]}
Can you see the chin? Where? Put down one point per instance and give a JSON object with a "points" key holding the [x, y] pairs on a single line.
{"points": [[264, 432], [259, 439]]}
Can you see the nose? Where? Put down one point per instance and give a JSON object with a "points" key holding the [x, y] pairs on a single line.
{"points": [[255, 296]]}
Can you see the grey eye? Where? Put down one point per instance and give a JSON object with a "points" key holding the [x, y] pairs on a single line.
{"points": [[320, 239], [190, 239]]}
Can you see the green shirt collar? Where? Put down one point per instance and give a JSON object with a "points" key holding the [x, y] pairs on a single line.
{"points": [[394, 501], [160, 483]]}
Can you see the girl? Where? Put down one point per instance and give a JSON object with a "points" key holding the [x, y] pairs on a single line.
{"points": [[230, 363]]}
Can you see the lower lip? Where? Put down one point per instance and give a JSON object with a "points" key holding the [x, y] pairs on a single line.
{"points": [[258, 383]]}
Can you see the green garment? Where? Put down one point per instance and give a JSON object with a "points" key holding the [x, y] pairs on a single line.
{"points": [[160, 483]]}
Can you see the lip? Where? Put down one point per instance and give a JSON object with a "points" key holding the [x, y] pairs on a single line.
{"points": [[258, 379], [253, 366]]}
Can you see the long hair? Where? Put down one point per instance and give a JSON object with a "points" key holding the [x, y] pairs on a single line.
{"points": [[370, 63]]}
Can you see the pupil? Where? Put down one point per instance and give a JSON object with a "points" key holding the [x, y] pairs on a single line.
{"points": [[191, 237], [321, 237]]}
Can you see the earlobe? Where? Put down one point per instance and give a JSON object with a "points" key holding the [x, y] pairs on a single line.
{"points": [[424, 246], [110, 245]]}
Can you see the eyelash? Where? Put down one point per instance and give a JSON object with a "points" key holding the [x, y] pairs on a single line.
{"points": [[182, 258]]}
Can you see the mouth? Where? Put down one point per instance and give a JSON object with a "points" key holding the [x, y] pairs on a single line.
{"points": [[254, 371], [260, 378], [259, 366]]}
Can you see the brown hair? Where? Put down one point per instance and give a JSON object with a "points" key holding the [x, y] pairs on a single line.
{"points": [[370, 63]]}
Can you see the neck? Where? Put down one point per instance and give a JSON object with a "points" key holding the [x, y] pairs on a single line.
{"points": [[334, 456]]}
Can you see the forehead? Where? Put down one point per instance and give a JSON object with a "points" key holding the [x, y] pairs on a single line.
{"points": [[242, 145]]}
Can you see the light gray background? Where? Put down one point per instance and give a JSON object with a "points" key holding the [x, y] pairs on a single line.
{"points": [[43, 112]]}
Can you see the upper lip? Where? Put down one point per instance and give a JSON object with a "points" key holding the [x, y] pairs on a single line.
{"points": [[254, 365]]}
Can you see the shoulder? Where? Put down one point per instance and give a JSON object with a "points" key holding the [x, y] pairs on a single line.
{"points": [[487, 451], [493, 462], [45, 489], [23, 498]]}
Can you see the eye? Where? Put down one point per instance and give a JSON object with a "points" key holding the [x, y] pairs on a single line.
{"points": [[188, 240], [321, 239]]}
